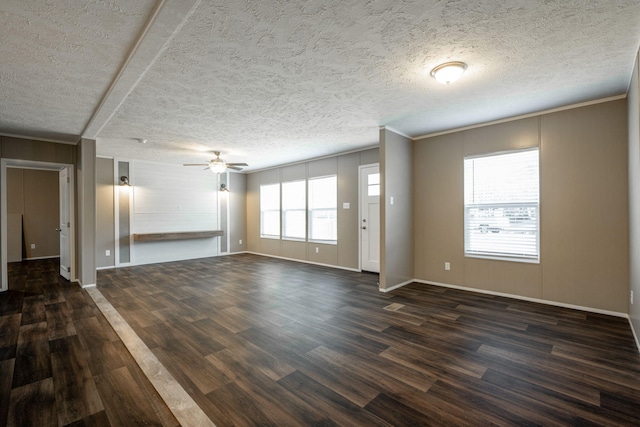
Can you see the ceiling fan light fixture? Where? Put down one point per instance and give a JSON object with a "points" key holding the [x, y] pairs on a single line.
{"points": [[217, 166], [448, 72]]}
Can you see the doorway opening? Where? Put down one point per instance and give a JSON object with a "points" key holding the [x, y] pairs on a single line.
{"points": [[58, 234], [369, 190]]}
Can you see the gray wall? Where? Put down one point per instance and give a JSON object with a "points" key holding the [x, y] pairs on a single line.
{"points": [[584, 256], [86, 202], [237, 212], [34, 194], [345, 252], [105, 230], [633, 106], [396, 220]]}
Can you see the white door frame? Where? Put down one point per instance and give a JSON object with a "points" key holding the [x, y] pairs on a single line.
{"points": [[360, 210], [30, 164]]}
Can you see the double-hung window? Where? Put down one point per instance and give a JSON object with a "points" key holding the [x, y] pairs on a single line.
{"points": [[294, 210], [501, 205], [270, 211], [323, 209]]}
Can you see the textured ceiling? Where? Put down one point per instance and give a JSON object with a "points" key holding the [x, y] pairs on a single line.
{"points": [[269, 82]]}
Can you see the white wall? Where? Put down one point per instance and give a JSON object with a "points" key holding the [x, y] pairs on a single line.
{"points": [[170, 198]]}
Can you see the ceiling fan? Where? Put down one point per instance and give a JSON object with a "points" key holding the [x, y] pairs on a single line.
{"points": [[218, 165]]}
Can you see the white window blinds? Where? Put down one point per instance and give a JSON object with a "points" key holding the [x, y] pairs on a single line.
{"points": [[294, 210], [270, 211], [323, 209], [501, 202]]}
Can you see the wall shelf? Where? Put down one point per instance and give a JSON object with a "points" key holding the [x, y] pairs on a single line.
{"points": [[156, 237]]}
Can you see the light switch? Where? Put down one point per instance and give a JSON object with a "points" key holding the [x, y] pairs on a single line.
{"points": [[391, 200], [346, 205]]}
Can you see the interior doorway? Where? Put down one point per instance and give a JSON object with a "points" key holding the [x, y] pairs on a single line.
{"points": [[370, 218], [66, 203]]}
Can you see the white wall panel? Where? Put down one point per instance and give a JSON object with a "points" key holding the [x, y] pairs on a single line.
{"points": [[162, 188], [171, 198]]}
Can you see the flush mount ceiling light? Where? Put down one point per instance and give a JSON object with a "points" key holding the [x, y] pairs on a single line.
{"points": [[448, 72]]}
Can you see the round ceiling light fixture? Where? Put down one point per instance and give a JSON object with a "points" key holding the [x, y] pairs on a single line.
{"points": [[448, 72]]}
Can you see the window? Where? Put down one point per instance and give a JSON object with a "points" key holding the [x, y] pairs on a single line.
{"points": [[373, 184], [501, 194], [270, 211], [323, 209], [294, 210]]}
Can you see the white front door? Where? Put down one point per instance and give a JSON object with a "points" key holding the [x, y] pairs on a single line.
{"points": [[63, 229], [370, 218]]}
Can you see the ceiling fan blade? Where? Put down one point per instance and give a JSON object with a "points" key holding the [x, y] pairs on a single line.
{"points": [[236, 164], [196, 164], [235, 168]]}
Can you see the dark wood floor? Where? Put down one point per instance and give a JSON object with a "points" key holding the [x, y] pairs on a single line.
{"points": [[261, 341], [61, 363]]}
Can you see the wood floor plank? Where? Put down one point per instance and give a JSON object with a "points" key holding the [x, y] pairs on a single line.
{"points": [[9, 332], [76, 393], [6, 378], [33, 310], [129, 406], [59, 320], [33, 361], [33, 404]]}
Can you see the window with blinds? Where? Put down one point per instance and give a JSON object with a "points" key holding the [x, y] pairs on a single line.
{"points": [[323, 209], [501, 205], [294, 210], [270, 211]]}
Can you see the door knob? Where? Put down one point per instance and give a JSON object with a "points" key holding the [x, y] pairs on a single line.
{"points": [[364, 227], [58, 230]]}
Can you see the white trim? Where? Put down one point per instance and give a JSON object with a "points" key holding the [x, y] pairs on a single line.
{"points": [[523, 298], [313, 159], [92, 285], [106, 267], [522, 116], [635, 336], [232, 253], [397, 132], [399, 285], [41, 257], [304, 261], [37, 138], [360, 168]]}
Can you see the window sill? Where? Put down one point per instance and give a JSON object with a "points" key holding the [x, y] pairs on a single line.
{"points": [[324, 242], [504, 258]]}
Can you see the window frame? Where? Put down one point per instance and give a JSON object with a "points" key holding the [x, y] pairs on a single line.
{"points": [[310, 211], [283, 211], [263, 235], [535, 205]]}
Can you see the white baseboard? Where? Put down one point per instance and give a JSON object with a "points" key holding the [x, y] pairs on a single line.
{"points": [[105, 268], [305, 261], [397, 286], [635, 336], [520, 297], [92, 285], [41, 257]]}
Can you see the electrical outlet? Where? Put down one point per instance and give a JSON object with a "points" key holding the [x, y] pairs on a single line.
{"points": [[33, 246], [317, 250], [107, 252], [447, 266], [240, 242], [631, 297]]}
